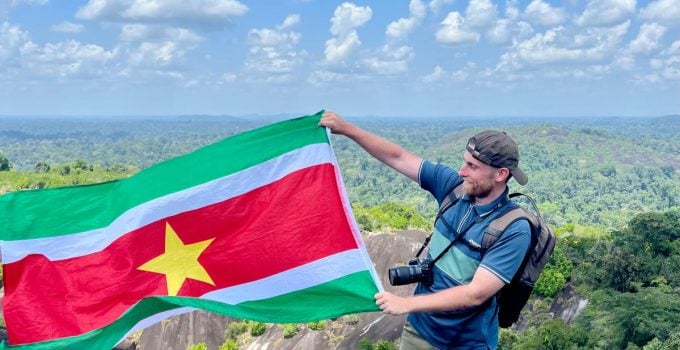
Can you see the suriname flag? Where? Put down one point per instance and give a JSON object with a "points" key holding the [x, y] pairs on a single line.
{"points": [[257, 226]]}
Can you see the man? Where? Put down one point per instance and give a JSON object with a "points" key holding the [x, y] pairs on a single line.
{"points": [[458, 311]]}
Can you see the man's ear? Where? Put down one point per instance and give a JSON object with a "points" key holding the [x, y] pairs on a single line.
{"points": [[502, 174]]}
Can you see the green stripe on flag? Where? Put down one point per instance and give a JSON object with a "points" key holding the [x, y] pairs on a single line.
{"points": [[349, 294], [67, 210]]}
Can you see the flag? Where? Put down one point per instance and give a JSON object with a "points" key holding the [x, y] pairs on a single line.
{"points": [[257, 226]]}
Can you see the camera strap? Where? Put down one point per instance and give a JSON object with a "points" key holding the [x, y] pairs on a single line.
{"points": [[453, 241], [448, 201]]}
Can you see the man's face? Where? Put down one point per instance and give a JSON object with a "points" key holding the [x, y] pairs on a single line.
{"points": [[478, 178]]}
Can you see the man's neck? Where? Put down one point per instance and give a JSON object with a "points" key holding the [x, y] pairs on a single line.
{"points": [[495, 193]]}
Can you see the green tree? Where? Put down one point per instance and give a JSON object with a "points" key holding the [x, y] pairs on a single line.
{"points": [[42, 167], [229, 344], [555, 274], [5, 164], [257, 329], [199, 346], [317, 325], [290, 330], [235, 329], [552, 335], [615, 319]]}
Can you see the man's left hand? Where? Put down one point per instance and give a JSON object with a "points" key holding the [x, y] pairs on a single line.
{"points": [[392, 304]]}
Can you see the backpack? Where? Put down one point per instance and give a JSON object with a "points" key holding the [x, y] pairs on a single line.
{"points": [[514, 295]]}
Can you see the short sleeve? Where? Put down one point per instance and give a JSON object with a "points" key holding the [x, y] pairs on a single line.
{"points": [[437, 179], [505, 256]]}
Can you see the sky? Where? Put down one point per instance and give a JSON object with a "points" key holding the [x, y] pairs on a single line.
{"points": [[438, 58]]}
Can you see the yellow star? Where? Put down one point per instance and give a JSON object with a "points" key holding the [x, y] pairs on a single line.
{"points": [[179, 262]]}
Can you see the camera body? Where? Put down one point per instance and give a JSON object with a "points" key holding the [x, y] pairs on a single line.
{"points": [[417, 270]]}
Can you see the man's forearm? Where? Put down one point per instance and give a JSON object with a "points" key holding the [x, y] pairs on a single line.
{"points": [[384, 150], [447, 300]]}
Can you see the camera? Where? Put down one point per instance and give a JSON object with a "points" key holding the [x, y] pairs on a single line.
{"points": [[417, 270]]}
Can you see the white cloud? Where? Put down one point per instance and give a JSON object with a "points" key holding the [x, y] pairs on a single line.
{"points": [[437, 5], [500, 32], [511, 10], [539, 12], [663, 70], [22, 57], [12, 38], [321, 77], [142, 32], [648, 39], [662, 10], [436, 75], [667, 64], [272, 51], [510, 28], [66, 59], [417, 9], [337, 50], [400, 28], [139, 32], [290, 21], [197, 12], [671, 70], [606, 12], [390, 60], [157, 49], [272, 37], [558, 46], [229, 77], [439, 74], [346, 18], [504, 30], [68, 27], [452, 31], [480, 13], [156, 54], [674, 49]]}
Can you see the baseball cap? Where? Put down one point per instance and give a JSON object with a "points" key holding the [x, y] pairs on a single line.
{"points": [[497, 149]]}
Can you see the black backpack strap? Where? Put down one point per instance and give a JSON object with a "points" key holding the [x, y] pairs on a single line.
{"points": [[499, 224], [451, 198], [496, 228]]}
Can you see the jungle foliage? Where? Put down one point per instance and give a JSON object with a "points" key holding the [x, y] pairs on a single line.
{"points": [[608, 186]]}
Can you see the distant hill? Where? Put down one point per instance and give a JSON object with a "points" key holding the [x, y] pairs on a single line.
{"points": [[589, 171]]}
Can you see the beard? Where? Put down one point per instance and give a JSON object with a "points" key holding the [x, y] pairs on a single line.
{"points": [[478, 188]]}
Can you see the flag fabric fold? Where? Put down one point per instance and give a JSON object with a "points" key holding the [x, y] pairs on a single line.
{"points": [[257, 226]]}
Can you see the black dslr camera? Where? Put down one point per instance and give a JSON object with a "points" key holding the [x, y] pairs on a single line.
{"points": [[417, 270]]}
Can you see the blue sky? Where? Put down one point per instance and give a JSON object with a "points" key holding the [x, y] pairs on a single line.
{"points": [[380, 58]]}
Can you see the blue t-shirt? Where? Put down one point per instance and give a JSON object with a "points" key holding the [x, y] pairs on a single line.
{"points": [[474, 327]]}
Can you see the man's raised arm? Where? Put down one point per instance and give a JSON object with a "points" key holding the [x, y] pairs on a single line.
{"points": [[383, 150]]}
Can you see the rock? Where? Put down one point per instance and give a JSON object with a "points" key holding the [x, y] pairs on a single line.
{"points": [[568, 305]]}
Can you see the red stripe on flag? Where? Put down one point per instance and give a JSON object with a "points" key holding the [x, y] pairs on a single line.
{"points": [[291, 222]]}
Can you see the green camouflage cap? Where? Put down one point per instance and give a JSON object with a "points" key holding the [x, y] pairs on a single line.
{"points": [[497, 149]]}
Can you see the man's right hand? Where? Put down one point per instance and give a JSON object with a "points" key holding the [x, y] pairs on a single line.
{"points": [[334, 122]]}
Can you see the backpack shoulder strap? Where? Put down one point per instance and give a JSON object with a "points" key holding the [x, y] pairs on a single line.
{"points": [[451, 198], [500, 224]]}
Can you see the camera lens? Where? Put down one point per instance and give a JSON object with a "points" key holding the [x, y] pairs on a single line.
{"points": [[405, 275]]}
